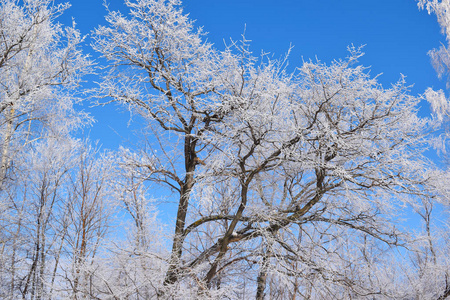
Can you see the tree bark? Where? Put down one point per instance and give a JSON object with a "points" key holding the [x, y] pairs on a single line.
{"points": [[262, 276], [177, 246]]}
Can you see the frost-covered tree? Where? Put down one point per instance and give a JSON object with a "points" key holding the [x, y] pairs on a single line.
{"points": [[163, 70], [58, 217], [87, 218], [287, 184], [35, 239], [40, 63], [432, 259], [440, 58]]}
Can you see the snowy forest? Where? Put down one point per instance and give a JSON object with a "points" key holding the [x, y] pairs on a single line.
{"points": [[313, 182]]}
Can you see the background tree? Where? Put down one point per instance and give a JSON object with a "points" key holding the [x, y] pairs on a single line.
{"points": [[30, 221], [40, 61], [40, 68], [439, 57], [88, 210], [441, 109]]}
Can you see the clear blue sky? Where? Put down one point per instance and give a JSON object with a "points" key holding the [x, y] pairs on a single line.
{"points": [[396, 34]]}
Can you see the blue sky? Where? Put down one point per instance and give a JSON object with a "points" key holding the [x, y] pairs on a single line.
{"points": [[396, 35]]}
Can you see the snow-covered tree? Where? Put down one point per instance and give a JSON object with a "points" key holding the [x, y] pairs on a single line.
{"points": [[440, 58], [88, 212], [40, 64], [163, 70], [287, 183]]}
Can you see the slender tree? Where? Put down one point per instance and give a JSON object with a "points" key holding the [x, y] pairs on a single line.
{"points": [[40, 68], [89, 208]]}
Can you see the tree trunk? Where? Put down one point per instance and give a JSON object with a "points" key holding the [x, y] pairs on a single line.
{"points": [[6, 144], [177, 246], [262, 276]]}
